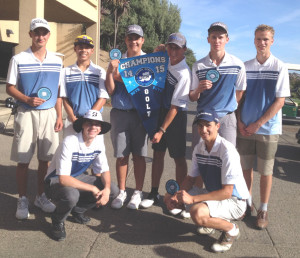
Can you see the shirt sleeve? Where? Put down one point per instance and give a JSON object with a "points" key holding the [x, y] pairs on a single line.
{"points": [[100, 164], [283, 83], [194, 170], [230, 167], [63, 89], [64, 159], [241, 82], [181, 93], [195, 79], [102, 90], [12, 74]]}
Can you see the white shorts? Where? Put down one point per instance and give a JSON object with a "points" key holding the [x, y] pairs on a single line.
{"points": [[228, 209], [34, 127]]}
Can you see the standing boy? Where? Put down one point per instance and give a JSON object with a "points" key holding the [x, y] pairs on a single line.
{"points": [[259, 120], [33, 79], [127, 134], [82, 84], [173, 117]]}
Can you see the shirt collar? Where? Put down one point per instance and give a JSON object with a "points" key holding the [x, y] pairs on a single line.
{"points": [[209, 62], [215, 147]]}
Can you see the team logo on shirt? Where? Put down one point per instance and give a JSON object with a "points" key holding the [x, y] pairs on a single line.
{"points": [[44, 93], [144, 77], [212, 75]]}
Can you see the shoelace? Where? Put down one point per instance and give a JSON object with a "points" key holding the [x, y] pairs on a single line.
{"points": [[22, 204]]}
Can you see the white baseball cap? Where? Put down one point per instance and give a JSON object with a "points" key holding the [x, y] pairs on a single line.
{"points": [[38, 23]]}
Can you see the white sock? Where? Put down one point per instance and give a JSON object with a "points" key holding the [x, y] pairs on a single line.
{"points": [[233, 231], [249, 201], [122, 191], [263, 207]]}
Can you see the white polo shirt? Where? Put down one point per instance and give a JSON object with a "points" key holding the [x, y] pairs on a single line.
{"points": [[177, 86], [73, 157]]}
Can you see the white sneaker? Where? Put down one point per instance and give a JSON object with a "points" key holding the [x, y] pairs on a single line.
{"points": [[225, 242], [22, 208], [185, 215], [152, 198], [205, 231], [118, 202], [175, 211], [135, 200], [44, 203]]}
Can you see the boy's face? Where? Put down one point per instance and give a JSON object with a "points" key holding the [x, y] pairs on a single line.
{"points": [[39, 37], [217, 40], [134, 43], [91, 128], [208, 130], [83, 52], [263, 41], [175, 53]]}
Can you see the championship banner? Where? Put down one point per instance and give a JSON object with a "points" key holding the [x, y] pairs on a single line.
{"points": [[144, 77]]}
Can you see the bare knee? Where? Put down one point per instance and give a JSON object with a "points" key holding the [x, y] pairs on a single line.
{"points": [[200, 214]]}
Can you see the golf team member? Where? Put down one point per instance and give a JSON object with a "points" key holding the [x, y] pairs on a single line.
{"points": [[82, 84], [173, 117], [33, 80], [66, 181], [128, 134], [223, 95], [217, 162], [259, 130]]}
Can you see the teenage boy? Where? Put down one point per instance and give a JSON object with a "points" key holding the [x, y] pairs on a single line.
{"points": [[66, 181], [82, 84], [127, 134], [259, 119], [218, 82], [216, 161], [33, 80], [173, 117]]}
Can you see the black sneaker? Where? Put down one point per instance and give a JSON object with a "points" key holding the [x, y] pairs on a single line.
{"points": [[152, 198], [58, 231], [80, 218]]}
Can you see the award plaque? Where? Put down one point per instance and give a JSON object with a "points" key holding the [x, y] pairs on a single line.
{"points": [[172, 186], [44, 93], [115, 54], [212, 75]]}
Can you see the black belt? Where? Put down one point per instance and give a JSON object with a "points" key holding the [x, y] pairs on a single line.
{"points": [[126, 110], [229, 113]]}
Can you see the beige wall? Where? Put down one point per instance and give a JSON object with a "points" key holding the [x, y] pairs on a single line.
{"points": [[10, 25]]}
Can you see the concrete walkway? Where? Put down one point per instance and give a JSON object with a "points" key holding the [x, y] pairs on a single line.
{"points": [[151, 232]]}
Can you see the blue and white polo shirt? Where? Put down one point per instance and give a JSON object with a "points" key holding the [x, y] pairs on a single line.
{"points": [[29, 74], [83, 88], [73, 157], [221, 166], [265, 83], [222, 96]]}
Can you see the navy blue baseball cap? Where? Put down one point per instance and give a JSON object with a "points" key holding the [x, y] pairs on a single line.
{"points": [[207, 115]]}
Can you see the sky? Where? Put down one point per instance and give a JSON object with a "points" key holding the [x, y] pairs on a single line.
{"points": [[242, 17]]}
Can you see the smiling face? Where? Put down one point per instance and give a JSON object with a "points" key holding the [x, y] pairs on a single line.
{"points": [[83, 52], [176, 53], [217, 40], [39, 37], [90, 129], [263, 41], [208, 130], [134, 44]]}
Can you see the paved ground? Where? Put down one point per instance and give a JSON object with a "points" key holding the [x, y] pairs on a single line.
{"points": [[152, 232]]}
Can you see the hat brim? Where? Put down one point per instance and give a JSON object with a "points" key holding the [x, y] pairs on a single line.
{"points": [[77, 126]]}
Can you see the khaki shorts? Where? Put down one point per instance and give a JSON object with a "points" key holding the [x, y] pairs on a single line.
{"points": [[34, 127], [264, 147], [228, 209]]}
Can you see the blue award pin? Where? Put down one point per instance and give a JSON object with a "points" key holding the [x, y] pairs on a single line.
{"points": [[115, 54], [172, 186], [212, 75], [44, 93]]}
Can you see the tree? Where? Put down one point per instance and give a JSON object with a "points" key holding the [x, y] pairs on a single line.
{"points": [[118, 8]]}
